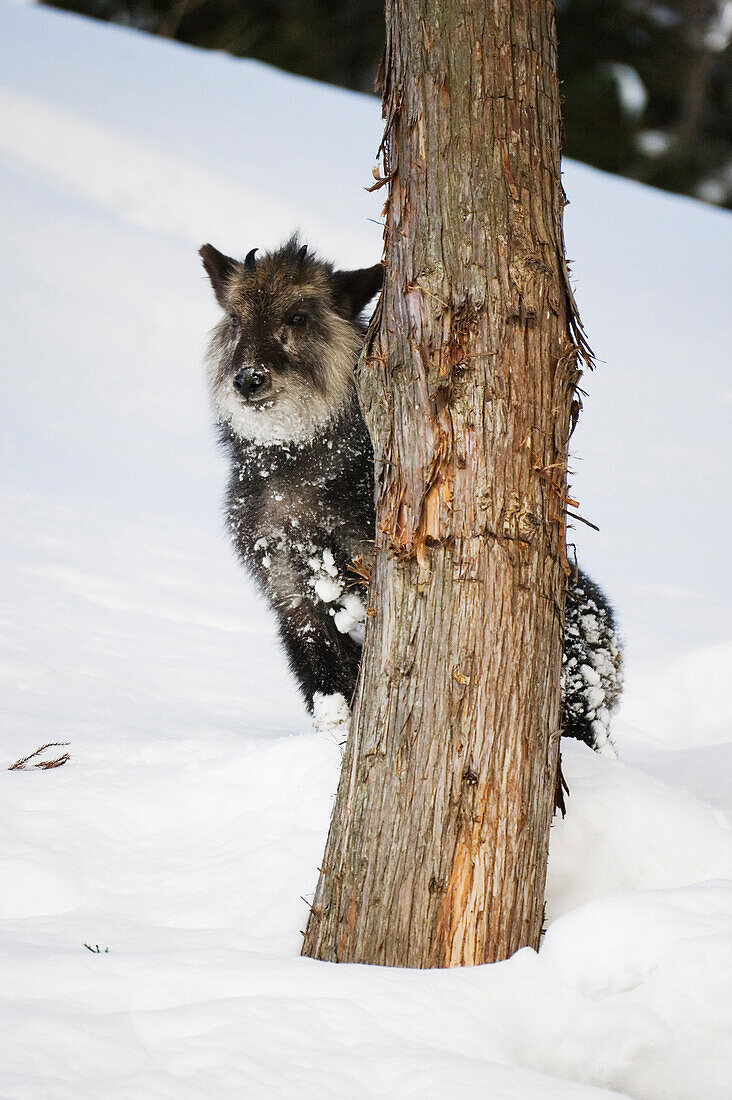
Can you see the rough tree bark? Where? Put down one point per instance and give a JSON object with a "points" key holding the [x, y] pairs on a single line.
{"points": [[438, 843]]}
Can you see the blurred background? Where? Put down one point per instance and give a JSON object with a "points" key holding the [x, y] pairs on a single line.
{"points": [[647, 85]]}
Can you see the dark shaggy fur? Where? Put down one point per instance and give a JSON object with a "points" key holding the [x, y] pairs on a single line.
{"points": [[300, 500]]}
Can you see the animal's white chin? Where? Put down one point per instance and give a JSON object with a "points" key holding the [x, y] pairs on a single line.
{"points": [[277, 419]]}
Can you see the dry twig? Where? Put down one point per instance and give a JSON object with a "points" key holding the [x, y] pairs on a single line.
{"points": [[19, 765]]}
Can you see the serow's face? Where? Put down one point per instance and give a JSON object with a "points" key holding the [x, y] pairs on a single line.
{"points": [[282, 358]]}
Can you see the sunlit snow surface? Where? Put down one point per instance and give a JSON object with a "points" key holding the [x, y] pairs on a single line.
{"points": [[188, 825]]}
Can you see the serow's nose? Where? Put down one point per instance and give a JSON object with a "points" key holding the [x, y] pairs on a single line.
{"points": [[250, 383]]}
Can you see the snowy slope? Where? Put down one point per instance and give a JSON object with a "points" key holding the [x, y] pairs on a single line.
{"points": [[188, 825]]}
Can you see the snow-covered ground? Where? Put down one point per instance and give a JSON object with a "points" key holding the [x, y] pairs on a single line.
{"points": [[187, 827]]}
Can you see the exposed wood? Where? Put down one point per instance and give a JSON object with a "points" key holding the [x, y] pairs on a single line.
{"points": [[438, 844]]}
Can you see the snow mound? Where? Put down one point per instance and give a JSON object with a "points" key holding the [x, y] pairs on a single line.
{"points": [[185, 833]]}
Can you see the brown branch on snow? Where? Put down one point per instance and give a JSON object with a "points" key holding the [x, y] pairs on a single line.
{"points": [[19, 765]]}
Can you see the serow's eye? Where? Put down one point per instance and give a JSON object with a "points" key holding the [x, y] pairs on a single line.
{"points": [[235, 323], [297, 320]]}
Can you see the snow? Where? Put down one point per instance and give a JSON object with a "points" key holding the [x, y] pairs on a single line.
{"points": [[331, 715], [185, 832], [351, 617], [327, 589]]}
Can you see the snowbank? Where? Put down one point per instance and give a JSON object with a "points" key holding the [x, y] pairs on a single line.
{"points": [[185, 832]]}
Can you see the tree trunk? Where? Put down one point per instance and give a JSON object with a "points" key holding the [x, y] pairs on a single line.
{"points": [[438, 843]]}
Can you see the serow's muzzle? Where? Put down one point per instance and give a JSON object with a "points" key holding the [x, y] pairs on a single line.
{"points": [[252, 384]]}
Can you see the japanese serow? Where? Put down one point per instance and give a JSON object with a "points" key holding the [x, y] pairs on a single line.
{"points": [[300, 502]]}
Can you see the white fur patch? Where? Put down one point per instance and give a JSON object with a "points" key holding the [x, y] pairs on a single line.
{"points": [[296, 411], [283, 420]]}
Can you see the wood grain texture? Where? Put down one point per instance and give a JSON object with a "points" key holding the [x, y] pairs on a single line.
{"points": [[438, 844]]}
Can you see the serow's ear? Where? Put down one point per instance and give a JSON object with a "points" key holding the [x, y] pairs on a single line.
{"points": [[219, 269], [355, 289]]}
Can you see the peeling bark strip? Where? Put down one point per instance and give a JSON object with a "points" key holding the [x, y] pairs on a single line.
{"points": [[438, 843]]}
